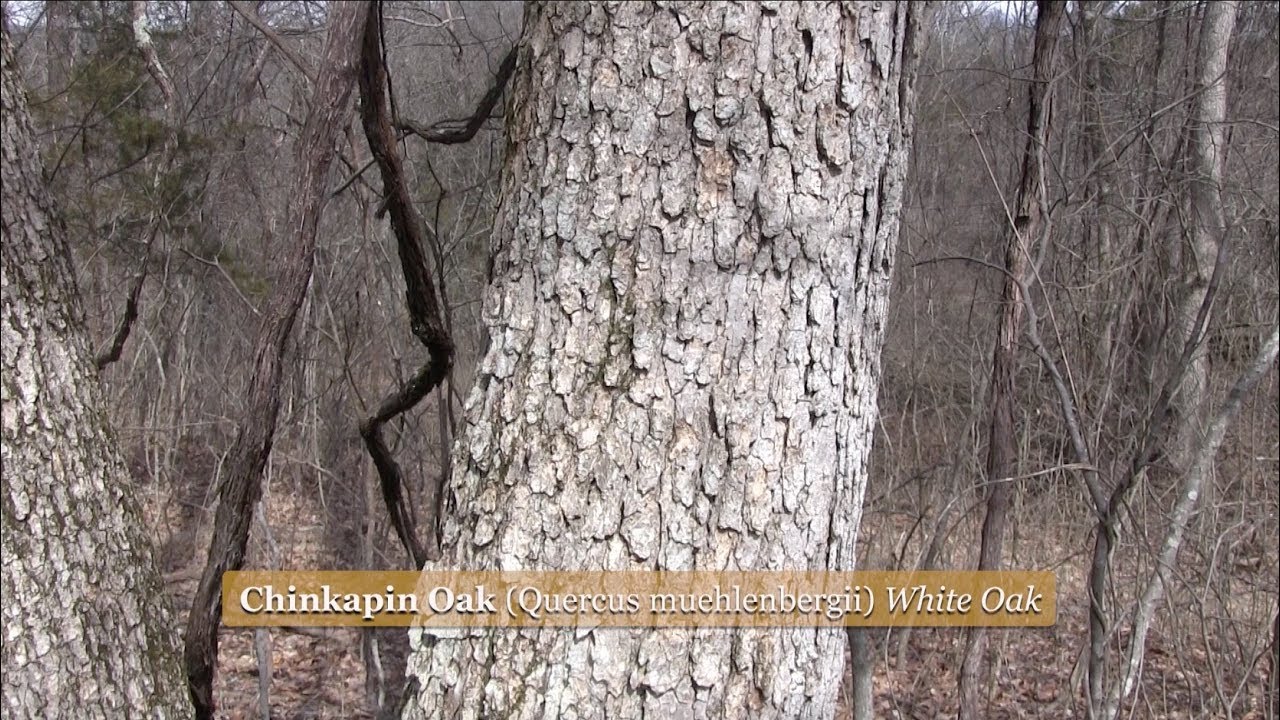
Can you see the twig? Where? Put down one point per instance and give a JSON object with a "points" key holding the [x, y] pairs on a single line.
{"points": [[293, 57]]}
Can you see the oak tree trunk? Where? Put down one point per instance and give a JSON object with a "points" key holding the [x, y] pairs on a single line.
{"points": [[690, 273], [87, 628]]}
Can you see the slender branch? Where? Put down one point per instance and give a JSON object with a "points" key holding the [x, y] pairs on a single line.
{"points": [[1066, 402], [142, 39], [293, 57], [114, 350], [241, 484], [1188, 497], [420, 296], [452, 132], [146, 48]]}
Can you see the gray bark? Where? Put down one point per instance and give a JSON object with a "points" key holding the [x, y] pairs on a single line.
{"points": [[1205, 152], [1192, 486], [691, 267], [87, 628]]}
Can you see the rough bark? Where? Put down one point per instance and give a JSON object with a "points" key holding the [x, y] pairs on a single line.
{"points": [[87, 629], [691, 267], [241, 484], [1024, 231]]}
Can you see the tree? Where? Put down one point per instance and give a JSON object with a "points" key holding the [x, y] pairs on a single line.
{"points": [[242, 486], [87, 624], [690, 269], [1026, 224]]}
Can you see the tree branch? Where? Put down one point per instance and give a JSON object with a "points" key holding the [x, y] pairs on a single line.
{"points": [[293, 57], [452, 132], [241, 485], [420, 296], [113, 351]]}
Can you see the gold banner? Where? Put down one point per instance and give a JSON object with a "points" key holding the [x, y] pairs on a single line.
{"points": [[638, 599]]}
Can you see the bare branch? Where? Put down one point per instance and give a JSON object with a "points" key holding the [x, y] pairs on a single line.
{"points": [[293, 57], [142, 39], [241, 485], [452, 132], [121, 336], [420, 294]]}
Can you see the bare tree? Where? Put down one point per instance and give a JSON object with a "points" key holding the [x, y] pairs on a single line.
{"points": [[87, 624], [241, 485], [1026, 221], [1206, 151]]}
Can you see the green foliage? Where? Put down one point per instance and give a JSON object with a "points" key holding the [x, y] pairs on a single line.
{"points": [[110, 152]]}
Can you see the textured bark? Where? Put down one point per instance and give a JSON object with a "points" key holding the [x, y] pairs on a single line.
{"points": [[691, 266], [241, 485], [87, 629], [1024, 231]]}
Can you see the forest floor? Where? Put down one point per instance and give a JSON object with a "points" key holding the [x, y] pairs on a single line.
{"points": [[319, 672]]}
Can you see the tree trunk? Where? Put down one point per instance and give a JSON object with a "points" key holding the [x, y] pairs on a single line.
{"points": [[241, 485], [1186, 388], [691, 267], [88, 631], [862, 653], [1205, 152], [1023, 232]]}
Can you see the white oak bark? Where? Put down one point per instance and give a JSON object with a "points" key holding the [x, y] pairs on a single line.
{"points": [[87, 630], [691, 266]]}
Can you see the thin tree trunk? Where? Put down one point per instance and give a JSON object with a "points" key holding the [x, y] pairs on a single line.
{"points": [[1205, 151], [691, 269], [1196, 441], [88, 630], [1100, 230], [241, 485], [1189, 493], [862, 650], [1024, 231]]}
